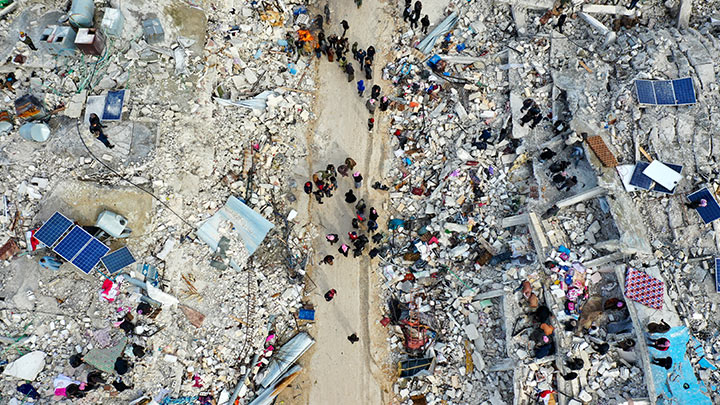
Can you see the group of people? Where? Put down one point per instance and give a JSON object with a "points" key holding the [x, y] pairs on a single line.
{"points": [[364, 222], [324, 182], [557, 170], [533, 115], [412, 13]]}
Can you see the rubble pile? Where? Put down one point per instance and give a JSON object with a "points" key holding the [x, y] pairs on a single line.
{"points": [[181, 138], [476, 210]]}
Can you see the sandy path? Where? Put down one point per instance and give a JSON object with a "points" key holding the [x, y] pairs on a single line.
{"points": [[337, 371]]}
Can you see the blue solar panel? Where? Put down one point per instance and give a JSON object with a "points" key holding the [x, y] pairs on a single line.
{"points": [[709, 213], [684, 91], [660, 189], [118, 260], [645, 92], [89, 257], [640, 180], [664, 92], [53, 229], [717, 274], [73, 243]]}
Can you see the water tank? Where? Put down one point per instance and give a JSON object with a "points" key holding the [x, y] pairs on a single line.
{"points": [[81, 13], [35, 132], [112, 223]]}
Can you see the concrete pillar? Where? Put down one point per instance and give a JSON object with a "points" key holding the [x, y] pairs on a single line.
{"points": [[684, 14]]}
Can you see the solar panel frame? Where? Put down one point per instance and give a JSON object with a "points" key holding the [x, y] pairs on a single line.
{"points": [[717, 274], [645, 92], [640, 180], [684, 91], [90, 255], [118, 260], [709, 213], [664, 92], [72, 243], [53, 229]]}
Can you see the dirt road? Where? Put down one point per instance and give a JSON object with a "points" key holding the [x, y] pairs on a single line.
{"points": [[337, 371]]}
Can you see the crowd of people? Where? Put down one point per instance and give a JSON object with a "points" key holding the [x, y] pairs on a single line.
{"points": [[363, 227]]}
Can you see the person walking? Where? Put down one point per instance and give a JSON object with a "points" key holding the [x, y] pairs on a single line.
{"points": [[368, 69], [96, 129], [372, 226], [414, 18], [308, 187], [357, 178], [332, 238], [371, 124], [353, 338], [384, 103], [330, 295], [350, 197], [425, 23], [360, 87], [418, 7], [345, 26], [25, 39], [328, 260]]}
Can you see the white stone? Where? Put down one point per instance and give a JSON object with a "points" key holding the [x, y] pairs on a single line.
{"points": [[27, 367]]}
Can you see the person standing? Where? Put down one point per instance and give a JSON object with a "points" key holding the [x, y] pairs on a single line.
{"points": [[353, 338], [350, 163], [332, 238], [330, 295], [370, 53], [308, 188], [561, 22], [370, 105], [96, 129], [25, 39], [350, 197], [407, 11], [360, 87], [350, 72], [661, 344], [665, 362], [343, 250], [357, 178], [414, 18], [375, 91], [371, 124], [361, 57], [425, 23]]}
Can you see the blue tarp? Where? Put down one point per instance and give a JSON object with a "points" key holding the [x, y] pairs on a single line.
{"points": [[669, 384], [249, 225]]}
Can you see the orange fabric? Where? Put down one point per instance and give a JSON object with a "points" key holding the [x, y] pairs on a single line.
{"points": [[548, 329], [305, 35]]}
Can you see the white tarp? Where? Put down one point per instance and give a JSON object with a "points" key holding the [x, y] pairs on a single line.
{"points": [[662, 174], [258, 102], [427, 44]]}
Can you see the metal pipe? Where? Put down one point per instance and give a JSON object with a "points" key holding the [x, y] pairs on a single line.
{"points": [[242, 380]]}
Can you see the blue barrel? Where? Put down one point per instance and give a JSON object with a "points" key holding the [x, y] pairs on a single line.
{"points": [[81, 13]]}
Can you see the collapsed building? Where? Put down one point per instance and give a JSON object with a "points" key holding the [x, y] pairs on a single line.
{"points": [[524, 286], [500, 281]]}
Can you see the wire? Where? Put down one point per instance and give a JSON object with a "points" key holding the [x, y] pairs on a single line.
{"points": [[77, 127]]}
